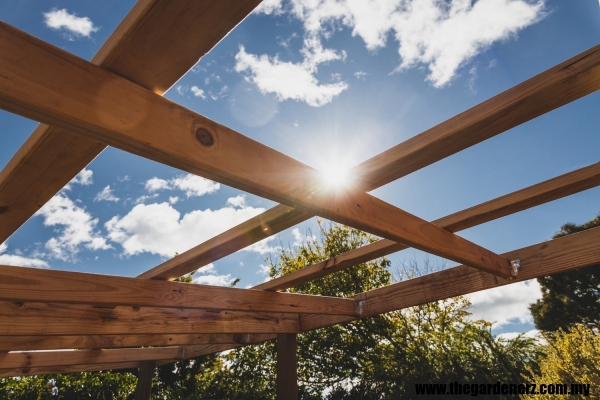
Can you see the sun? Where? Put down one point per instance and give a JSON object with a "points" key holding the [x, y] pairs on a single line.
{"points": [[335, 175]]}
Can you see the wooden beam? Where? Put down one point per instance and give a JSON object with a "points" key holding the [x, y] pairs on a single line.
{"points": [[51, 286], [67, 369], [552, 257], [115, 111], [45, 342], [67, 319], [34, 359], [143, 389], [551, 89], [157, 42], [287, 367], [255, 229], [562, 186]]}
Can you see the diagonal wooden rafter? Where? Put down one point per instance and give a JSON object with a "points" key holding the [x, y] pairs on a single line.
{"points": [[545, 92], [548, 258], [117, 112], [157, 42], [552, 189]]}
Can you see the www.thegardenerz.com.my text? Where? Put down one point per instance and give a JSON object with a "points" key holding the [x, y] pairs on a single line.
{"points": [[499, 388]]}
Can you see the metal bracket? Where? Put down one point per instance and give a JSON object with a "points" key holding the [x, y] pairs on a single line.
{"points": [[359, 308], [515, 267]]}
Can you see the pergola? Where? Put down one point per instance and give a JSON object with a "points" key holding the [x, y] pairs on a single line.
{"points": [[115, 100]]}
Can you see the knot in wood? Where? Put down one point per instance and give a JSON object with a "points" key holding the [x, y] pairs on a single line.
{"points": [[205, 137]]}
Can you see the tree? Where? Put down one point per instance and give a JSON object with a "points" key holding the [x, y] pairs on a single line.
{"points": [[572, 357], [572, 297], [375, 358]]}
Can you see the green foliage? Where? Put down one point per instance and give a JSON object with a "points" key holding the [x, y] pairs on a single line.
{"points": [[572, 357], [104, 385], [572, 297]]}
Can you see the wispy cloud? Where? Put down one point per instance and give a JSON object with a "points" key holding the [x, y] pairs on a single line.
{"points": [[85, 178], [295, 81], [192, 185], [19, 260], [106, 194], [69, 23]]}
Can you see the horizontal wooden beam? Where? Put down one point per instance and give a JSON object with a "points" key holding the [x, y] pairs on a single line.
{"points": [[40, 81], [32, 359], [551, 89], [157, 42], [67, 369], [51, 286], [552, 257], [562, 186], [45, 342], [69, 319]]}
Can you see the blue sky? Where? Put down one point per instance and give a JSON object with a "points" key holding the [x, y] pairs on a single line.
{"points": [[331, 83]]}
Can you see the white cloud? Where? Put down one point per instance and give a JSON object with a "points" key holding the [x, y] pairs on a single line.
{"points": [[289, 80], [441, 35], [19, 260], [182, 90], [76, 228], [143, 198], [237, 201], [534, 333], [198, 92], [161, 229], [208, 275], [269, 7], [173, 199], [360, 75], [85, 178], [263, 246], [106, 194], [506, 304], [61, 19], [301, 239], [192, 185]]}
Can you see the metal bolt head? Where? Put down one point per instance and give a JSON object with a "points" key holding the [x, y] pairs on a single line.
{"points": [[205, 137]]}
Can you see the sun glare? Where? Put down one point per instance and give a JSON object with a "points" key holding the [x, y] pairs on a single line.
{"points": [[336, 175]]}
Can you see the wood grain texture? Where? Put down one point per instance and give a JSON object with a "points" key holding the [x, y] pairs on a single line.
{"points": [[559, 255], [68, 319], [287, 367], [561, 186], [553, 88], [156, 43], [266, 224], [45, 342], [67, 369], [44, 285], [33, 359], [115, 111]]}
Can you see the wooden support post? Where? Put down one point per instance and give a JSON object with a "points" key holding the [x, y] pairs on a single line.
{"points": [[287, 367], [144, 385]]}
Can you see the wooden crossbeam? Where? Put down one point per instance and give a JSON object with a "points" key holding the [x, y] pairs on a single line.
{"points": [[69, 319], [43, 82], [67, 369], [43, 285], [560, 85], [562, 186], [45, 342], [34, 359], [157, 42], [552, 257]]}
